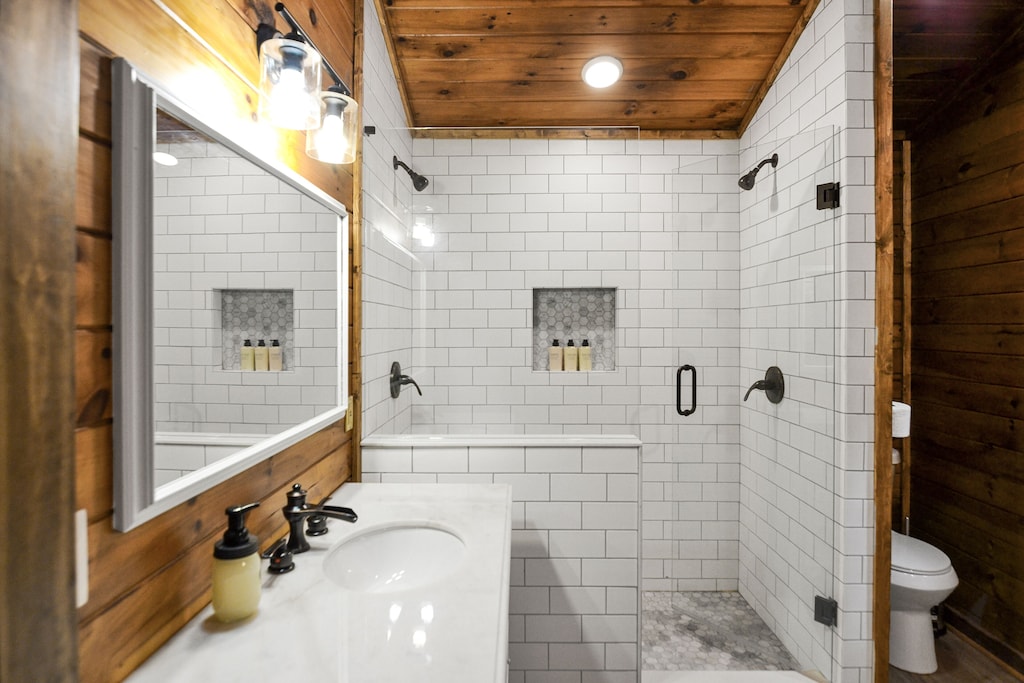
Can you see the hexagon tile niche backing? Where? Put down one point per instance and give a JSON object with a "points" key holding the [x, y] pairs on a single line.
{"points": [[577, 314], [257, 314]]}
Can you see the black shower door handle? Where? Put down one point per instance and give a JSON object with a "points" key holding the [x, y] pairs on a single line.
{"points": [[679, 391]]}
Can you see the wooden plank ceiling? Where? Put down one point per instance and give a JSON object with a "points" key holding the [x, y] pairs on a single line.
{"points": [[699, 66], [694, 68], [939, 44]]}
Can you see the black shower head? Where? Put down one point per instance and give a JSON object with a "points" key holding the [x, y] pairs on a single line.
{"points": [[746, 182], [418, 181]]}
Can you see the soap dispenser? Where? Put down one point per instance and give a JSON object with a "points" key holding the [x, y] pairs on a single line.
{"points": [[586, 359], [554, 356], [275, 356], [236, 568], [262, 356], [570, 358], [247, 358]]}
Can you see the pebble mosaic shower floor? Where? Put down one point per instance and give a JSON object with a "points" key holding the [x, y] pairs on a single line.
{"points": [[708, 631]]}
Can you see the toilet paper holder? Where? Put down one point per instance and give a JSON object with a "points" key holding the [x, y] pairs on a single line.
{"points": [[773, 385]]}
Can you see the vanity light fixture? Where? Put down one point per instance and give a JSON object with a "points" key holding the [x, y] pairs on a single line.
{"points": [[165, 159], [290, 94], [601, 72]]}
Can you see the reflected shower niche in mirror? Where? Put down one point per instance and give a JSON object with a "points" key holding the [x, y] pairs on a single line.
{"points": [[214, 246]]}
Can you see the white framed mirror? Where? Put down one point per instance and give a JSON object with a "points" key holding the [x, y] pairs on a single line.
{"points": [[214, 246]]}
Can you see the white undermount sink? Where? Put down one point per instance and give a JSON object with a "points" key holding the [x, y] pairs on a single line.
{"points": [[394, 558]]}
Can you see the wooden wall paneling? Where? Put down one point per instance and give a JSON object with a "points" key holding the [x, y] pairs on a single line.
{"points": [[37, 270], [145, 584], [93, 277], [93, 377], [900, 304], [906, 327], [973, 222], [92, 205], [883, 323], [968, 343], [989, 339]]}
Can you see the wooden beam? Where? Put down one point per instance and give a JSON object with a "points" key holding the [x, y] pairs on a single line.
{"points": [[356, 261], [39, 148], [884, 327]]}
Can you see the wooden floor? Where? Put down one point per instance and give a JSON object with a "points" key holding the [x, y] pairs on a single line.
{"points": [[959, 662]]}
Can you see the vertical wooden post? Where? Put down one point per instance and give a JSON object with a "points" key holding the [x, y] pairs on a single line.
{"points": [[884, 330], [356, 263], [38, 145]]}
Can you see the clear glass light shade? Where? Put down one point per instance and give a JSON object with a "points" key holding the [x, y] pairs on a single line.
{"points": [[289, 84], [601, 72], [334, 142]]}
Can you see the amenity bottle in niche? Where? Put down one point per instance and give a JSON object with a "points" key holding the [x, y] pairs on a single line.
{"points": [[247, 356], [555, 356], [262, 355], [570, 359], [275, 356], [586, 362], [236, 569]]}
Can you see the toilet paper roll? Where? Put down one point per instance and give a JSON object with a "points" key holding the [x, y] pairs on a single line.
{"points": [[900, 420]]}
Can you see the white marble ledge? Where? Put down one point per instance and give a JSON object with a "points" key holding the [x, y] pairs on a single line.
{"points": [[502, 441], [308, 628]]}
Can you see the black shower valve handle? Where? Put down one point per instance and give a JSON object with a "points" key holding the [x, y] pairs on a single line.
{"points": [[399, 380], [406, 379], [773, 385], [759, 385]]}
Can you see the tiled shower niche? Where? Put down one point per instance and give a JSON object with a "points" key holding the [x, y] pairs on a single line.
{"points": [[256, 314], [575, 313]]}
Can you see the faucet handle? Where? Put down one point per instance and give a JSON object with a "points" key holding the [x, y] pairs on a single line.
{"points": [[281, 558], [316, 525]]}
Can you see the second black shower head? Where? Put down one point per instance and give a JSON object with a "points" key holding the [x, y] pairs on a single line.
{"points": [[746, 182], [419, 182]]}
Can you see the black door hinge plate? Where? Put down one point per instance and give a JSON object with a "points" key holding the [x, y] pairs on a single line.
{"points": [[828, 196]]}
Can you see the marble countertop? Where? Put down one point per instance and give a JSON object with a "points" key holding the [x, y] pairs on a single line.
{"points": [[308, 628]]}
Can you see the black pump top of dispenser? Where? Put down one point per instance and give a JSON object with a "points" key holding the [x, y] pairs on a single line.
{"points": [[570, 343], [237, 541], [586, 342], [247, 342]]}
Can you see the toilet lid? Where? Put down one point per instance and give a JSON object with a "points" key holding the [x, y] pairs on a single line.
{"points": [[916, 556]]}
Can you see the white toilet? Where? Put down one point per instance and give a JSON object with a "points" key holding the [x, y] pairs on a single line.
{"points": [[921, 577]]}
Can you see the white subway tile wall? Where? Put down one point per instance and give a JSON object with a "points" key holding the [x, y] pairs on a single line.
{"points": [[705, 275], [574, 595], [806, 304], [222, 223], [388, 281]]}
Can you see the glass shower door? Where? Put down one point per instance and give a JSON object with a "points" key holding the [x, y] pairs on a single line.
{"points": [[753, 482]]}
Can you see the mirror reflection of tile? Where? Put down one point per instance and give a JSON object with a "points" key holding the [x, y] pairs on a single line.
{"points": [[256, 314], [239, 254], [575, 313]]}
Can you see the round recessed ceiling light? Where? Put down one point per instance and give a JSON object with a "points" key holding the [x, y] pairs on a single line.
{"points": [[600, 72]]}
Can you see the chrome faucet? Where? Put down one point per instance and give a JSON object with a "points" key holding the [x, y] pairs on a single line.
{"points": [[297, 512]]}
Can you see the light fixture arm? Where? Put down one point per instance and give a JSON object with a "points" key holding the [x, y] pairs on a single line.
{"points": [[265, 32]]}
